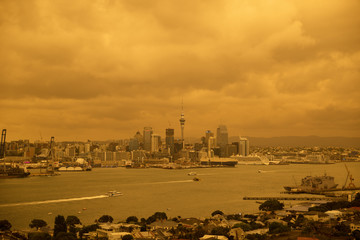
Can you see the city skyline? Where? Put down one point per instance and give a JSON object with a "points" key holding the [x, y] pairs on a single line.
{"points": [[107, 69]]}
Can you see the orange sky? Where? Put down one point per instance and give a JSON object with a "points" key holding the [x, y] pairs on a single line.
{"points": [[103, 69]]}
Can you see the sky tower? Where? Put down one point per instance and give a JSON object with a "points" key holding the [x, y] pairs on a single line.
{"points": [[182, 125]]}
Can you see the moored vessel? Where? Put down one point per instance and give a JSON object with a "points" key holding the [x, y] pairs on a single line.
{"points": [[311, 184]]}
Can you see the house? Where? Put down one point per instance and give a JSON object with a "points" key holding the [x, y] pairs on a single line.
{"points": [[164, 224], [237, 233], [190, 222], [213, 237], [334, 213], [355, 226], [143, 235]]}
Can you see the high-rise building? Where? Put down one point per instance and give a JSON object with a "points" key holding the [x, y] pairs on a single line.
{"points": [[244, 146], [222, 136], [133, 144], [169, 139], [208, 134], [147, 138], [155, 143]]}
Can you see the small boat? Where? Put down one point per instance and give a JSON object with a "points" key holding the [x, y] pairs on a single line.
{"points": [[114, 193], [195, 179], [192, 173]]}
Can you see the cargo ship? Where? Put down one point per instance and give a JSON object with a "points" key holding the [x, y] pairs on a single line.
{"points": [[310, 184]]}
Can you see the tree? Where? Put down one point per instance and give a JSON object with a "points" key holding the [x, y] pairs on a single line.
{"points": [[72, 220], [105, 219], [37, 223], [356, 234], [5, 225], [65, 236], [276, 227], [133, 219], [128, 237], [220, 231], [217, 212], [243, 226], [156, 216], [39, 236], [86, 229], [60, 225], [271, 205]]}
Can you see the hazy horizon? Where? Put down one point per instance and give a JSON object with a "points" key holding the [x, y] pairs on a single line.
{"points": [[105, 69]]}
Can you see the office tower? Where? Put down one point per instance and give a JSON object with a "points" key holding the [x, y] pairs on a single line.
{"points": [[147, 138], [208, 134], [169, 139], [244, 147], [133, 144], [182, 125], [222, 136], [155, 143], [139, 138]]}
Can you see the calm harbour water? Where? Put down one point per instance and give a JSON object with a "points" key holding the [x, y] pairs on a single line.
{"points": [[150, 190]]}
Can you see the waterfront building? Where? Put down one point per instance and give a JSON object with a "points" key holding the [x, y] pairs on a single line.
{"points": [[169, 140], [147, 138]]}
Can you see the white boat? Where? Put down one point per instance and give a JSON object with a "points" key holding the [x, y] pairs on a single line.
{"points": [[114, 193], [192, 173]]}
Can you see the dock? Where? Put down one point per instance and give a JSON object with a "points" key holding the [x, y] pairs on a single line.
{"points": [[293, 198]]}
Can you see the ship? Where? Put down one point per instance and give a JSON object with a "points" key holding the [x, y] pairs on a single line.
{"points": [[209, 159], [313, 184], [251, 160]]}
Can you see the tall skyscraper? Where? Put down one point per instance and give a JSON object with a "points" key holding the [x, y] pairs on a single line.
{"points": [[170, 139], [147, 138], [182, 125], [222, 136], [210, 136]]}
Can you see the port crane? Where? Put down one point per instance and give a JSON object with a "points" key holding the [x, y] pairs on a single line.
{"points": [[50, 155], [350, 177]]}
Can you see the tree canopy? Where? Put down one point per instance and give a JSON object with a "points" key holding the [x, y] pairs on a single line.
{"points": [[128, 237], [105, 219], [72, 220], [60, 225], [217, 212], [133, 219], [271, 205], [39, 236], [37, 223], [5, 225]]}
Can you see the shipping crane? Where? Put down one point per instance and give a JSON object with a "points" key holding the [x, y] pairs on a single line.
{"points": [[350, 177]]}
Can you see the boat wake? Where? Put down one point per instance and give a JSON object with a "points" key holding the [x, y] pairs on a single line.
{"points": [[52, 201], [180, 181]]}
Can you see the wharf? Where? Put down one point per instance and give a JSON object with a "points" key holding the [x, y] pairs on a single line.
{"points": [[293, 198], [44, 174]]}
